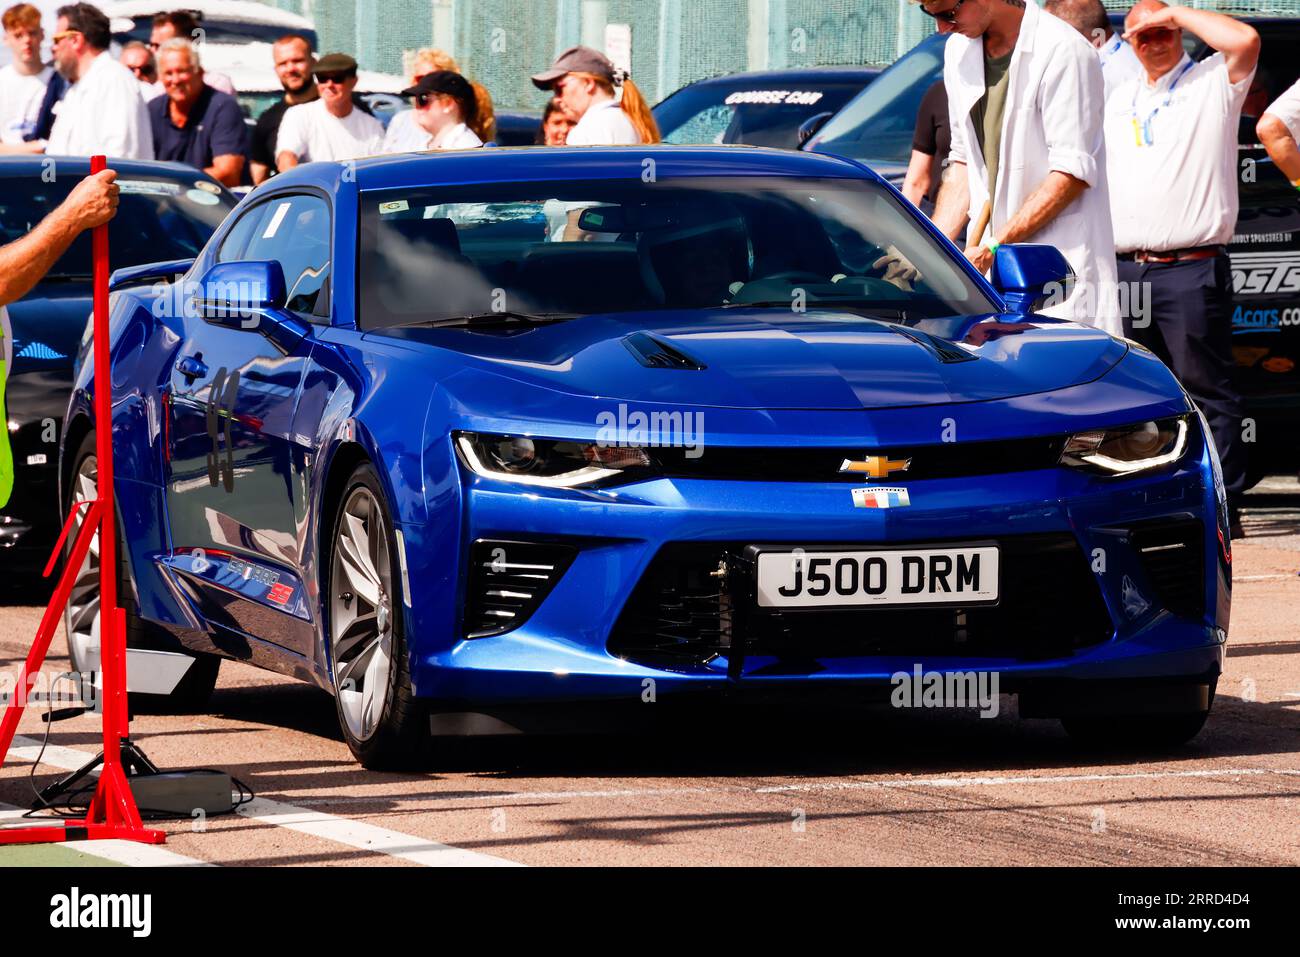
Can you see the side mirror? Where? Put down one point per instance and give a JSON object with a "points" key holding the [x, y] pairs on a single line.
{"points": [[809, 127], [1027, 275], [238, 294], [148, 273]]}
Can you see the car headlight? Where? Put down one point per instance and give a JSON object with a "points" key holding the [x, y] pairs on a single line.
{"points": [[1128, 449], [551, 463]]}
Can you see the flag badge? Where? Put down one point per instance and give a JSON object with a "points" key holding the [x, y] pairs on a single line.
{"points": [[873, 497]]}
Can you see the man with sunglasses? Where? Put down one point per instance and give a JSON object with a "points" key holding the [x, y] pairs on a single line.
{"points": [[1025, 97], [331, 127], [1171, 145], [138, 58], [103, 111]]}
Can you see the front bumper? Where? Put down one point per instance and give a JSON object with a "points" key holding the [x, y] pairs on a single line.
{"points": [[567, 649]]}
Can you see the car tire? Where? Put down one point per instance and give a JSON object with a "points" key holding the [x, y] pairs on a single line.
{"points": [[1153, 732], [385, 725], [82, 611]]}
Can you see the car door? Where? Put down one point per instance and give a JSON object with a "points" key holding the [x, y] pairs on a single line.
{"points": [[236, 467]]}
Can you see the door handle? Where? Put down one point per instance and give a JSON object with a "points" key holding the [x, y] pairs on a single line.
{"points": [[192, 367]]}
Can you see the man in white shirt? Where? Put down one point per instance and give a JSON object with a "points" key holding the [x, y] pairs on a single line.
{"points": [[1118, 61], [102, 111], [1171, 144], [1279, 130], [23, 82], [1025, 98], [329, 128]]}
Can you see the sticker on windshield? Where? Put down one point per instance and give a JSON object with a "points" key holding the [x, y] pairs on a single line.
{"points": [[396, 206], [273, 226], [774, 97], [150, 187], [202, 197]]}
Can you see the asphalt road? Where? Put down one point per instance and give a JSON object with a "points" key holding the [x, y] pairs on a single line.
{"points": [[811, 788]]}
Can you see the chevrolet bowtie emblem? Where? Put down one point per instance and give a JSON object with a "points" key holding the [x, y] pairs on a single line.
{"points": [[876, 466]]}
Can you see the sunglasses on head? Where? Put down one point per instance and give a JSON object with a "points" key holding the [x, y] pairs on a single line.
{"points": [[947, 16]]}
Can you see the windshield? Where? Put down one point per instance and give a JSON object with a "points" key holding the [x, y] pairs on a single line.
{"points": [[548, 250], [750, 113], [237, 32], [879, 124], [157, 219]]}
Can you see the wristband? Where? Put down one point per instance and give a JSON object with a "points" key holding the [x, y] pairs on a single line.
{"points": [[992, 245]]}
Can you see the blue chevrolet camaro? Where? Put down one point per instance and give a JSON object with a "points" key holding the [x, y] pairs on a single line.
{"points": [[451, 434]]}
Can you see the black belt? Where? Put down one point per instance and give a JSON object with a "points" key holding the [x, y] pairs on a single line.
{"points": [[1171, 255]]}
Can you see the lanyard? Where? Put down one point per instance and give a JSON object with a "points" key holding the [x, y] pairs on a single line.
{"points": [[1143, 132]]}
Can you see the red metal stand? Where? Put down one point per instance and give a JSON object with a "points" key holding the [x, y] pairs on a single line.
{"points": [[112, 813]]}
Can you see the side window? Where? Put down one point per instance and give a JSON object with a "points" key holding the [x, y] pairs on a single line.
{"points": [[295, 231]]}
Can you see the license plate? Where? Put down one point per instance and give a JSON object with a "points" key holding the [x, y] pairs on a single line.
{"points": [[941, 575]]}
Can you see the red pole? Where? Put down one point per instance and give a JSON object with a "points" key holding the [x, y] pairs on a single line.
{"points": [[112, 646], [112, 812]]}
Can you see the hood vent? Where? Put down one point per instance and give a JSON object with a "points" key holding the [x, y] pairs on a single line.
{"points": [[942, 349], [656, 354]]}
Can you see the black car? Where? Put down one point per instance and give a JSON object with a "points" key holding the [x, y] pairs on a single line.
{"points": [[167, 212], [1265, 249], [765, 108]]}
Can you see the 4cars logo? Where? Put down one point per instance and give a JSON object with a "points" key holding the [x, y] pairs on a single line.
{"points": [[876, 466], [1267, 273]]}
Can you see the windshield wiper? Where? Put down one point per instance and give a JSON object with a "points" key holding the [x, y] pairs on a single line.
{"points": [[487, 318]]}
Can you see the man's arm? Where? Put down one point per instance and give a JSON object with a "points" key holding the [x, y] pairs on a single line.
{"points": [[1057, 191], [25, 261], [917, 181], [1281, 145], [286, 159], [226, 169], [229, 143], [1237, 41], [27, 148], [952, 204], [261, 173]]}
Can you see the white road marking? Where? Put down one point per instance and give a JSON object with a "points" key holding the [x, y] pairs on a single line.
{"points": [[340, 830], [1262, 578], [120, 852]]}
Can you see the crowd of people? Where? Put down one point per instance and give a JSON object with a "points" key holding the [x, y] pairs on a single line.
{"points": [[157, 101], [1118, 149]]}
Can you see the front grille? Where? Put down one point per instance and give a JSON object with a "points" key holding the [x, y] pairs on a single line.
{"points": [[507, 581], [682, 611], [1173, 555], [942, 460]]}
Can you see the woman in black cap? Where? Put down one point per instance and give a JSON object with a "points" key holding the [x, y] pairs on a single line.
{"points": [[605, 105], [445, 109]]}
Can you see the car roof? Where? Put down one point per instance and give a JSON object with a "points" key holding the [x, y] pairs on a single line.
{"points": [[803, 74], [527, 163], [35, 165]]}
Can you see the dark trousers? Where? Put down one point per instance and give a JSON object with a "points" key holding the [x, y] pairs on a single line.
{"points": [[1188, 324]]}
